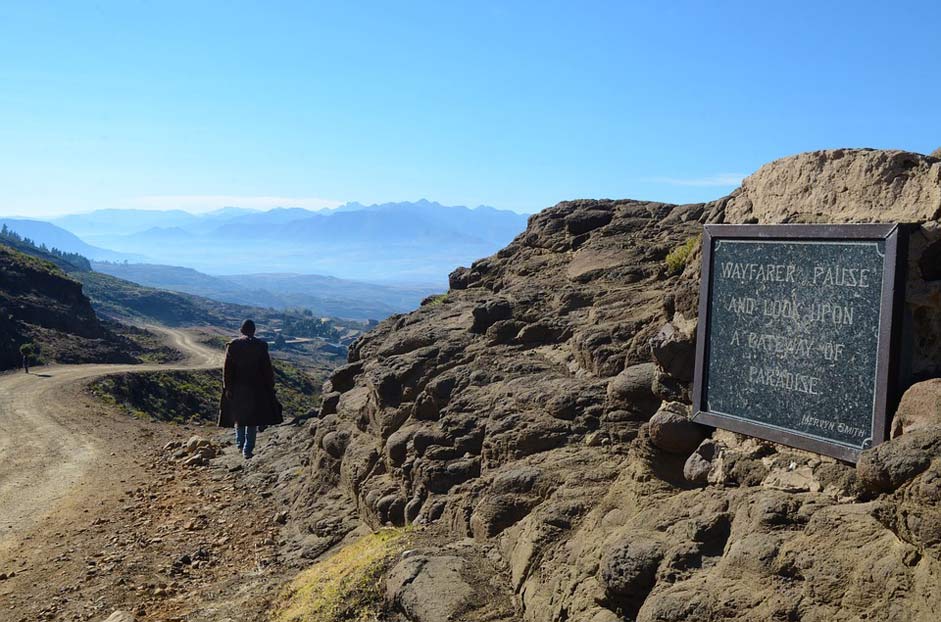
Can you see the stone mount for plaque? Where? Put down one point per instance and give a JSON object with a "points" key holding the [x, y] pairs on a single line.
{"points": [[778, 386]]}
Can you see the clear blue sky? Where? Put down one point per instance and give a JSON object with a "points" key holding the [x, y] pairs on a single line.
{"points": [[512, 104]]}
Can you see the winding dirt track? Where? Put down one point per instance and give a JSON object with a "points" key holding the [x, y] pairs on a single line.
{"points": [[46, 447]]}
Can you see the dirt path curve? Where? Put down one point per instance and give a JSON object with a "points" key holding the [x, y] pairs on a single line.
{"points": [[45, 447]]}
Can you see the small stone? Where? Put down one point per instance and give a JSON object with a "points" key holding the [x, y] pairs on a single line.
{"points": [[281, 517], [672, 430], [696, 469], [631, 390]]}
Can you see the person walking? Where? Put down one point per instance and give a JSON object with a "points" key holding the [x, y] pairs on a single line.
{"points": [[248, 397]]}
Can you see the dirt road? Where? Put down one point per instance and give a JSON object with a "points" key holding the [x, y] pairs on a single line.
{"points": [[47, 447]]}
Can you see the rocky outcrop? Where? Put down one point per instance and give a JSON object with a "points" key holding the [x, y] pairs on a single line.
{"points": [[841, 185], [539, 414]]}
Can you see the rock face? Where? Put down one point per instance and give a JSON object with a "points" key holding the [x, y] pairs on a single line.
{"points": [[841, 185], [518, 416]]}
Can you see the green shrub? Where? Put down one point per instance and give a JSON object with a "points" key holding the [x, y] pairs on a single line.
{"points": [[677, 258]]}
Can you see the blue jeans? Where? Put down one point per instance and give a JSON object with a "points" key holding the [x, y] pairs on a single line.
{"points": [[245, 439]]}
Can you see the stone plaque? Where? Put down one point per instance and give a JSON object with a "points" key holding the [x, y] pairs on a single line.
{"points": [[796, 332]]}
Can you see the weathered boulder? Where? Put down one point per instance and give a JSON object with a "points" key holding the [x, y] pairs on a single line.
{"points": [[632, 390], [673, 431], [459, 278], [429, 588], [334, 443], [887, 466], [699, 464], [328, 405], [343, 377], [674, 348], [920, 408], [588, 220], [490, 312], [629, 570]]}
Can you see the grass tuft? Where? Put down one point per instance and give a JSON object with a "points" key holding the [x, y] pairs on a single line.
{"points": [[345, 587], [434, 301], [677, 258]]}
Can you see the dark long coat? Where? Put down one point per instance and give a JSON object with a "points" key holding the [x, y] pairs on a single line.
{"points": [[248, 391]]}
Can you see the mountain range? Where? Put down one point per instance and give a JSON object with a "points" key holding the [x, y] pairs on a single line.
{"points": [[413, 243], [381, 259]]}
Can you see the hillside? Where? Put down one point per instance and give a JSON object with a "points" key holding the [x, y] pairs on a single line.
{"points": [[324, 295], [69, 262], [40, 304], [535, 421]]}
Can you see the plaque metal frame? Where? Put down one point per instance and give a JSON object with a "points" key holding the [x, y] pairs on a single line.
{"points": [[893, 280]]}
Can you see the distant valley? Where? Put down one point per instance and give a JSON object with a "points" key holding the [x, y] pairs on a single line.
{"points": [[326, 296], [356, 261]]}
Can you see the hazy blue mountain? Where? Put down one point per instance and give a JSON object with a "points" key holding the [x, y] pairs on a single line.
{"points": [[419, 242], [326, 296], [106, 223], [110, 222], [56, 237]]}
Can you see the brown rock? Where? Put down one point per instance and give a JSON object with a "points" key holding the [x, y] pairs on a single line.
{"points": [[629, 570], [920, 408], [674, 348], [344, 377], [459, 278], [488, 313], [631, 390], [887, 466], [841, 185], [672, 430], [329, 404], [429, 589]]}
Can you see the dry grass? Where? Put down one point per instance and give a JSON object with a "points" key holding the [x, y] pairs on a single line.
{"points": [[346, 586]]}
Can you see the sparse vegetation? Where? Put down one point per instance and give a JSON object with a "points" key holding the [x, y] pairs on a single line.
{"points": [[677, 258], [346, 586], [183, 396], [144, 345], [217, 342], [29, 262], [434, 301]]}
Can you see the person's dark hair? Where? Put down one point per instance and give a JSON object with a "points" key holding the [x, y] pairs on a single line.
{"points": [[248, 328]]}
